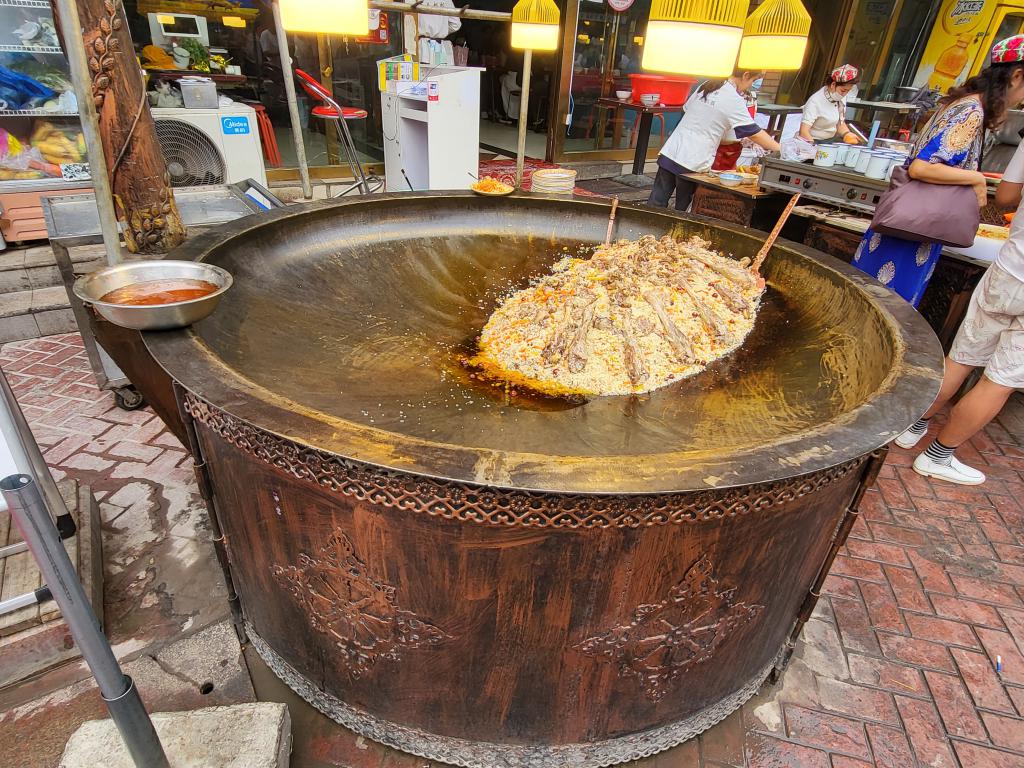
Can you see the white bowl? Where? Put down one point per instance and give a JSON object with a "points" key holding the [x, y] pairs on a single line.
{"points": [[731, 179], [623, 95], [650, 99]]}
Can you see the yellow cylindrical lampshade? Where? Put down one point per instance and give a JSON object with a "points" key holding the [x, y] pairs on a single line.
{"points": [[535, 25], [536, 37], [694, 37], [775, 36], [328, 17], [690, 49], [758, 54]]}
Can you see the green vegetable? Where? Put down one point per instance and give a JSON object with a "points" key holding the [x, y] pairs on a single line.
{"points": [[200, 56]]}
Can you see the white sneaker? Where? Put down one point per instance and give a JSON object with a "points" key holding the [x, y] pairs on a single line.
{"points": [[910, 438], [955, 472]]}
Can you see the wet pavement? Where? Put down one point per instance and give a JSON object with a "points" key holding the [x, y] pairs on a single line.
{"points": [[897, 667]]}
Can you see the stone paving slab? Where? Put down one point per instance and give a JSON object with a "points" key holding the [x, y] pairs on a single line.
{"points": [[239, 736], [203, 670], [897, 667]]}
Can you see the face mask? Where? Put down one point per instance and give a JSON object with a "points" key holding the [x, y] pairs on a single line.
{"points": [[756, 85]]}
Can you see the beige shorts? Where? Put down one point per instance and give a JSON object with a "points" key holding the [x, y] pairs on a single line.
{"points": [[992, 334]]}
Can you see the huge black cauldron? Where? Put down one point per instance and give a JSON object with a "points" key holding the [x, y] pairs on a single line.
{"points": [[523, 582]]}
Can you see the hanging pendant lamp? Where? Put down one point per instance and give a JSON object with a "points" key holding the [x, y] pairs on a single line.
{"points": [[328, 17], [775, 36], [535, 25], [694, 37], [534, 28]]}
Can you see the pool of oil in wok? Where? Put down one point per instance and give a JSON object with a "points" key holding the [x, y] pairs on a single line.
{"points": [[391, 356]]}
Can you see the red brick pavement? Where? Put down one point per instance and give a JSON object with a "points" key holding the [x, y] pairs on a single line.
{"points": [[158, 578], [897, 667]]}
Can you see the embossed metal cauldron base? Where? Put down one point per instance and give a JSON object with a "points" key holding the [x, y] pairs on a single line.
{"points": [[474, 754], [514, 582]]}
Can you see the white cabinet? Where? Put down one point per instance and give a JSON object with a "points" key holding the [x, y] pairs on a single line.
{"points": [[432, 130]]}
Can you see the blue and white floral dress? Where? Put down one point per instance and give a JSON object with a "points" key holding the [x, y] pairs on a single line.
{"points": [[954, 137]]}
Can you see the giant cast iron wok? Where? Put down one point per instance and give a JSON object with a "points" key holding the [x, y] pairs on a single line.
{"points": [[488, 579]]}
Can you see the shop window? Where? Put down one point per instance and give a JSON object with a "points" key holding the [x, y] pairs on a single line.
{"points": [[247, 40]]}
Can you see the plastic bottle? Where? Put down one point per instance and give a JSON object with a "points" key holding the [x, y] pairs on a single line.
{"points": [[950, 64]]}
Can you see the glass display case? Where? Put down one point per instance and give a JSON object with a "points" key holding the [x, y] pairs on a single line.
{"points": [[42, 149]]}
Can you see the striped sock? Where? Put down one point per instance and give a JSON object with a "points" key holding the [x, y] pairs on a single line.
{"points": [[939, 453], [919, 427]]}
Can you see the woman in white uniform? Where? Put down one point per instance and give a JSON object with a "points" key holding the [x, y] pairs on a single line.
{"points": [[714, 111], [824, 117]]}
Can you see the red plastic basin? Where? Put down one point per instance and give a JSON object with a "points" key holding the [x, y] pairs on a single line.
{"points": [[674, 90]]}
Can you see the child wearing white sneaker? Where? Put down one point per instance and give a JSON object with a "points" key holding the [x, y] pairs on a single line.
{"points": [[991, 336]]}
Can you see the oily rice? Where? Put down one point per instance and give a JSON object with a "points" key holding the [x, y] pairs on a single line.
{"points": [[635, 316]]}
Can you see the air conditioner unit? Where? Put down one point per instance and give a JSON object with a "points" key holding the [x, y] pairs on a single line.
{"points": [[210, 146]]}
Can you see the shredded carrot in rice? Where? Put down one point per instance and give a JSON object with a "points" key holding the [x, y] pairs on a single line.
{"points": [[492, 185]]}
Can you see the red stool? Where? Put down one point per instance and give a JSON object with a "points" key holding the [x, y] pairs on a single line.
{"points": [[266, 131], [329, 109]]}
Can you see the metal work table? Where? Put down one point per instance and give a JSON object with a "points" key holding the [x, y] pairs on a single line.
{"points": [[872, 108], [73, 220], [777, 113]]}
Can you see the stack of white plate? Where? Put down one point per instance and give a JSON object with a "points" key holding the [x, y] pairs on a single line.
{"points": [[553, 181]]}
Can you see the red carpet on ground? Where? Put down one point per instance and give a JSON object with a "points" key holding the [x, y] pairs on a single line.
{"points": [[505, 172]]}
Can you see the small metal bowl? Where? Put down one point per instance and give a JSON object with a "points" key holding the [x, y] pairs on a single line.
{"points": [[152, 317]]}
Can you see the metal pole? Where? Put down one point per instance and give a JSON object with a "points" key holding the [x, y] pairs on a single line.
{"points": [[118, 690], [520, 156], [78, 63], [293, 104], [462, 13], [25, 450]]}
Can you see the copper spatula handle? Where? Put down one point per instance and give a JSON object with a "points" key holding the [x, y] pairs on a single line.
{"points": [[774, 235], [611, 222]]}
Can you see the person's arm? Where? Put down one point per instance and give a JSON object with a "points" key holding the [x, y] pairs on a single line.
{"points": [[810, 114], [1008, 195], [764, 139], [843, 130], [940, 173], [1009, 191], [756, 134]]}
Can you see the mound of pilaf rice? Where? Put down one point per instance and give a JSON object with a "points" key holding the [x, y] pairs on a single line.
{"points": [[632, 318]]}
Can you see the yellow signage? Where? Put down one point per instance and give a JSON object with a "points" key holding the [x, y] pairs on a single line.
{"points": [[961, 16], [960, 41]]}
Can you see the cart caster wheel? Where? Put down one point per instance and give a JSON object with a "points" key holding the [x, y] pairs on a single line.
{"points": [[129, 399]]}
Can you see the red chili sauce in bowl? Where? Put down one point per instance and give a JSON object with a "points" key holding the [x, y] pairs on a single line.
{"points": [[152, 292]]}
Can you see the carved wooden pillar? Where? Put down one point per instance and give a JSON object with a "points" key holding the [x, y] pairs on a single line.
{"points": [[138, 177]]}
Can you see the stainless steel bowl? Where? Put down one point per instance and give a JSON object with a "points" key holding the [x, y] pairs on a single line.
{"points": [[895, 145], [155, 317]]}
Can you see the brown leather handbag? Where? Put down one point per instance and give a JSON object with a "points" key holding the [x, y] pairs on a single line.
{"points": [[927, 213]]}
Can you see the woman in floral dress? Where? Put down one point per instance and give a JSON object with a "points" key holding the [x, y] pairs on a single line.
{"points": [[947, 152]]}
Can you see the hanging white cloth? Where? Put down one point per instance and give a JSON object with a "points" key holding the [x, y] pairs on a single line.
{"points": [[437, 27]]}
